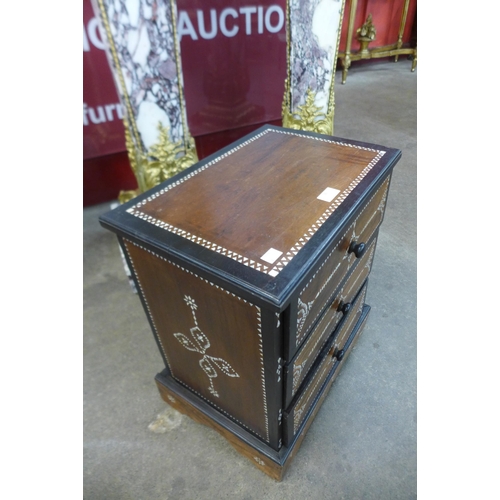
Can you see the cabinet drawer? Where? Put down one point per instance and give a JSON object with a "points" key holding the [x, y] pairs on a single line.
{"points": [[345, 330], [334, 351], [296, 371], [318, 291], [306, 406], [344, 297], [371, 217]]}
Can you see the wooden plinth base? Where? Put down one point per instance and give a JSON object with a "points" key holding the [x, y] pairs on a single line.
{"points": [[274, 463]]}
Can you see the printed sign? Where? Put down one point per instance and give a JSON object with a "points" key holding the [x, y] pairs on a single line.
{"points": [[103, 131], [234, 67]]}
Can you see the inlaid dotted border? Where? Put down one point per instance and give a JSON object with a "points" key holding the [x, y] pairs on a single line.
{"points": [[326, 214], [329, 323], [299, 329], [381, 206], [309, 359], [359, 277], [369, 262], [259, 333], [299, 409], [355, 317], [297, 413], [202, 242], [343, 236], [145, 300], [287, 257]]}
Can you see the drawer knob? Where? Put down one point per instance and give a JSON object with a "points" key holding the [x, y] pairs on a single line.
{"points": [[340, 354], [357, 248], [344, 307]]}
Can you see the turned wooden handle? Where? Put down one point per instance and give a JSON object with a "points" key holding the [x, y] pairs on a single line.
{"points": [[344, 307], [358, 249]]}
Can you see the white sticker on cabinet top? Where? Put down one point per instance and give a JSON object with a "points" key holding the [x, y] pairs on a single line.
{"points": [[328, 194], [271, 255]]}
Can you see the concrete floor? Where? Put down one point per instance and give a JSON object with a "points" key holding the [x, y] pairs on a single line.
{"points": [[362, 444]]}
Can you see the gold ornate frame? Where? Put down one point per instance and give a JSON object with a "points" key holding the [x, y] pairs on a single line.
{"points": [[165, 158], [395, 49], [309, 116]]}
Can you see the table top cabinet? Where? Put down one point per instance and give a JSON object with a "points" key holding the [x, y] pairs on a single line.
{"points": [[252, 267]]}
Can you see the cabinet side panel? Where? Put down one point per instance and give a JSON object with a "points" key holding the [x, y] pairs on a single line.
{"points": [[210, 338]]}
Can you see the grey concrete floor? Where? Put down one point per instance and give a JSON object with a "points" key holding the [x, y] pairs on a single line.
{"points": [[362, 444]]}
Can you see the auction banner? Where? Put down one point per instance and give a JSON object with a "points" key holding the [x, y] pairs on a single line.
{"points": [[103, 131], [234, 62], [233, 56]]}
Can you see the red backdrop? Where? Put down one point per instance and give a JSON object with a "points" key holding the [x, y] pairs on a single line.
{"points": [[234, 67]]}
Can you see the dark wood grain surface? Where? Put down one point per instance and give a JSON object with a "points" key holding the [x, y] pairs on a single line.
{"points": [[273, 467], [211, 339], [318, 291], [298, 368], [263, 195], [307, 402], [243, 263]]}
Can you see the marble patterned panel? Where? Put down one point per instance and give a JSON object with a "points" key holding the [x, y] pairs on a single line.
{"points": [[143, 36], [314, 35]]}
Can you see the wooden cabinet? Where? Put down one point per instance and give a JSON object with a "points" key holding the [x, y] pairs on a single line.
{"points": [[252, 267]]}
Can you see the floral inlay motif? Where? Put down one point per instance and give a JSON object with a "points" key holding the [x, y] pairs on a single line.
{"points": [[200, 343], [302, 313], [297, 372]]}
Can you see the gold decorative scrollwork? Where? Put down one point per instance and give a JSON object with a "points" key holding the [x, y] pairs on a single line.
{"points": [[309, 116], [163, 160], [365, 35], [367, 30]]}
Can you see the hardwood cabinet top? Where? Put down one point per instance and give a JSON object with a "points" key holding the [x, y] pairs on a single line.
{"points": [[259, 212]]}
